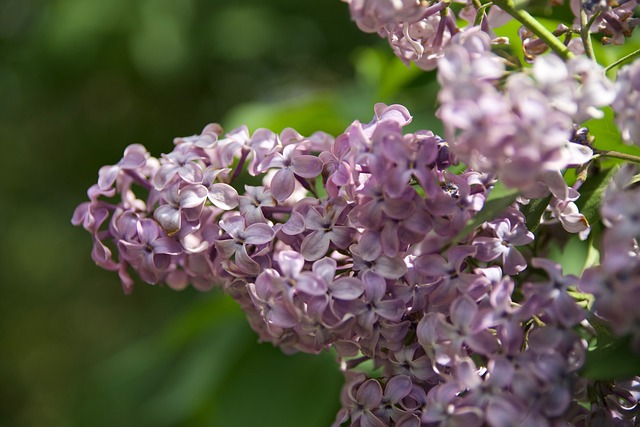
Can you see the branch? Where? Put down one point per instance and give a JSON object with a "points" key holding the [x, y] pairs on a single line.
{"points": [[621, 60], [617, 155], [585, 34]]}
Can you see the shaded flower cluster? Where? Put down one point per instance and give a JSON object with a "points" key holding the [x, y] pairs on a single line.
{"points": [[614, 20], [615, 283], [420, 31], [627, 102], [520, 126]]}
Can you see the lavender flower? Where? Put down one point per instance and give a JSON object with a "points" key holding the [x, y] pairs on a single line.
{"points": [[186, 202], [464, 333], [241, 239], [325, 231], [507, 236], [626, 102], [151, 255], [291, 163]]}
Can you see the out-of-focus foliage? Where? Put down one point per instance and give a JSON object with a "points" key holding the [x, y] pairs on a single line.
{"points": [[79, 81]]}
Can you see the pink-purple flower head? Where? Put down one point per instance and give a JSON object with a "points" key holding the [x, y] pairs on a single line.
{"points": [[615, 20], [418, 31], [220, 194], [207, 139], [181, 205], [506, 236], [151, 253], [522, 130], [182, 162], [372, 15], [135, 156], [250, 204], [290, 163], [325, 230], [242, 239]]}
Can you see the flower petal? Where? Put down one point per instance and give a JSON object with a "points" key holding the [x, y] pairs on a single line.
{"points": [[258, 234], [168, 217], [346, 288], [283, 184], [369, 394], [315, 245], [223, 196], [306, 166]]}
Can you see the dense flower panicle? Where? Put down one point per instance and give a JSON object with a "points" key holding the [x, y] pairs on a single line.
{"points": [[370, 243], [525, 132], [369, 268]]}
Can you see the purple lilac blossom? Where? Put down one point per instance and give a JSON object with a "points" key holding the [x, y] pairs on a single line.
{"points": [[369, 269], [420, 31], [627, 102], [615, 20], [523, 133], [614, 283]]}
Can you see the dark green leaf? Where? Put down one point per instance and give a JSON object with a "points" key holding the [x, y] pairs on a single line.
{"points": [[591, 194], [533, 212], [607, 135], [611, 359], [499, 199]]}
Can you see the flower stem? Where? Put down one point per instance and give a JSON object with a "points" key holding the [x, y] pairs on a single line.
{"points": [[240, 165], [621, 60], [536, 27], [585, 35], [139, 179], [617, 155], [481, 9]]}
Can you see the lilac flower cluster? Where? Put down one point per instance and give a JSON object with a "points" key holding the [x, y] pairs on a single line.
{"points": [[627, 103], [614, 20], [523, 132], [420, 31], [374, 246], [615, 282], [463, 334]]}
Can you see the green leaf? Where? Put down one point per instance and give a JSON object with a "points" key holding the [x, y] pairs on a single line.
{"points": [[499, 199], [572, 255], [533, 212], [607, 136], [591, 193], [611, 359], [593, 251]]}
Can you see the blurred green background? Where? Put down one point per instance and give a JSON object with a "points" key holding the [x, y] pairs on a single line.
{"points": [[79, 81]]}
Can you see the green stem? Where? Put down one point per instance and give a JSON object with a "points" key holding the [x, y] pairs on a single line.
{"points": [[621, 60], [536, 27], [617, 155], [585, 35], [480, 13]]}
